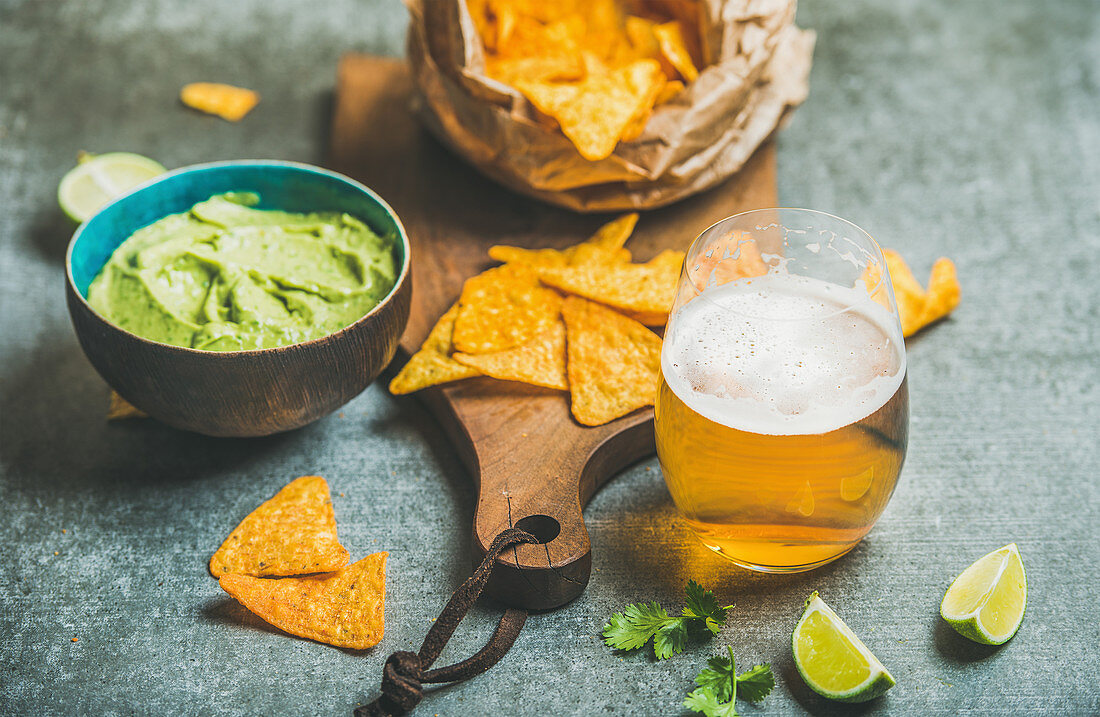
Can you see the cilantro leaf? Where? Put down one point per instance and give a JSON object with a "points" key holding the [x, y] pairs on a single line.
{"points": [[755, 684], [720, 678], [639, 623], [634, 626], [703, 700], [669, 639], [701, 603], [719, 683]]}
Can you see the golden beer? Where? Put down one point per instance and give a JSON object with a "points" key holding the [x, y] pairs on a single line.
{"points": [[782, 418]]}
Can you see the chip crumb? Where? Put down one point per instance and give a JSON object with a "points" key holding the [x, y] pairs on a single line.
{"points": [[341, 495], [63, 531], [75, 639], [56, 553], [226, 101], [341, 414]]}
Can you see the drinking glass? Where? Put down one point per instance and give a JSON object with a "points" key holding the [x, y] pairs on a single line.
{"points": [[782, 413]]}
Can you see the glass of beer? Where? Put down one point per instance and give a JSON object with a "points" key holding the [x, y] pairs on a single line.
{"points": [[782, 413]]}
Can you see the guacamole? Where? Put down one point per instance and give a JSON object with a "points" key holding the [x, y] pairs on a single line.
{"points": [[225, 276]]}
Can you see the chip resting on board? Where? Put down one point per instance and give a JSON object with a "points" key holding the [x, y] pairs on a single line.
{"points": [[502, 308], [605, 246], [293, 533], [226, 101], [345, 608], [432, 364], [540, 362], [612, 362], [642, 291]]}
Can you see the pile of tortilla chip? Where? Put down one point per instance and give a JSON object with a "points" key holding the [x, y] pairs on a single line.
{"points": [[571, 319], [576, 319], [595, 67], [285, 564]]}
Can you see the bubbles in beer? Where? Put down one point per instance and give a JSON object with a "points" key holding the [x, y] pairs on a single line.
{"points": [[784, 355]]}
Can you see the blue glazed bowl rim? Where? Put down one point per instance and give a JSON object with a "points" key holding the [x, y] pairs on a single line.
{"points": [[401, 278]]}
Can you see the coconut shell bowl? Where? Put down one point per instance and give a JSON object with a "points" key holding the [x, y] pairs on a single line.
{"points": [[238, 393]]}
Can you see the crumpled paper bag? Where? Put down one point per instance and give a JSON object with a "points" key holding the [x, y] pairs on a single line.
{"points": [[758, 65]]}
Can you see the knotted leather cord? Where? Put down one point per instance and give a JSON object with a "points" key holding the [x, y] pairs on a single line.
{"points": [[405, 673]]}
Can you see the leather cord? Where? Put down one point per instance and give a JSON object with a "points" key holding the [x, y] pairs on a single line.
{"points": [[405, 673]]}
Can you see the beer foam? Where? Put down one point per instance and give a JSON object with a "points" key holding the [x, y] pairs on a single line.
{"points": [[783, 355]]}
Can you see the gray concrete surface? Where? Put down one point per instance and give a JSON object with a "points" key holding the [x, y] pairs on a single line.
{"points": [[966, 129]]}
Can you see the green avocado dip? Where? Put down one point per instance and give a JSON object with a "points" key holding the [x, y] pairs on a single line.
{"points": [[227, 277]]}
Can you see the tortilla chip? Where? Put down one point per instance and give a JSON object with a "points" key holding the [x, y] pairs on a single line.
{"points": [[640, 33], [720, 264], [226, 101], [530, 257], [605, 246], [614, 234], [292, 533], [674, 48], [641, 117], [120, 409], [943, 292], [540, 362], [510, 70], [669, 91], [644, 291], [613, 362], [507, 18], [502, 308], [432, 364], [870, 279], [485, 22], [595, 112], [344, 609], [917, 308]]}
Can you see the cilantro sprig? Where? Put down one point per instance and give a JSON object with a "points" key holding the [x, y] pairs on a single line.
{"points": [[720, 686], [641, 622]]}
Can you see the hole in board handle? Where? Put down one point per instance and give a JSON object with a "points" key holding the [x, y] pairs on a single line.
{"points": [[543, 527]]}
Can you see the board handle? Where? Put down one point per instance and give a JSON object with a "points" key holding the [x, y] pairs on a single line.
{"points": [[544, 496]]}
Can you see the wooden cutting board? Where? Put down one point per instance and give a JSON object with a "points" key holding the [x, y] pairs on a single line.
{"points": [[535, 466]]}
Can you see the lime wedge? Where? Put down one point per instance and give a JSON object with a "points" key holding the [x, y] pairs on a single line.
{"points": [[832, 660], [99, 178], [986, 602]]}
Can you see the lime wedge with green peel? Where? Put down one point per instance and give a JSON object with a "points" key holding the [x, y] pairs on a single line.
{"points": [[986, 602], [832, 660], [99, 178]]}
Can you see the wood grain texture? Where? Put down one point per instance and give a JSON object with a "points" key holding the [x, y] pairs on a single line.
{"points": [[520, 443]]}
